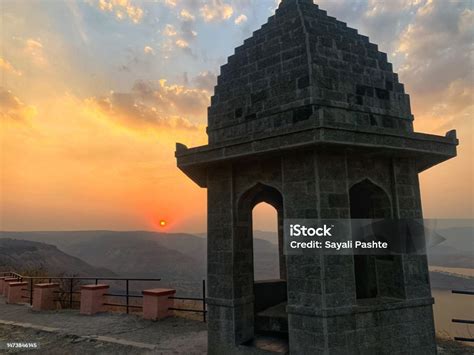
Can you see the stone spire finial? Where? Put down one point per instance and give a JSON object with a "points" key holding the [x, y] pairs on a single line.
{"points": [[289, 2]]}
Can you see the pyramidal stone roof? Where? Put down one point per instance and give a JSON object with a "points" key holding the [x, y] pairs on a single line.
{"points": [[301, 69]]}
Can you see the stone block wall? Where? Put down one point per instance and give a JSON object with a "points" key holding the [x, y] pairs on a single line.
{"points": [[315, 183], [405, 330], [304, 68]]}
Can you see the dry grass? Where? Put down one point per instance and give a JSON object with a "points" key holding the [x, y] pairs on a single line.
{"points": [[197, 305]]}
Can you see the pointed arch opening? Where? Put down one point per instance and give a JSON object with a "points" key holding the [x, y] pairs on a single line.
{"points": [[375, 276], [270, 295], [266, 260]]}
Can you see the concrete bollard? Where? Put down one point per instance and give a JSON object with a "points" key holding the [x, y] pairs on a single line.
{"points": [[156, 303], [44, 296], [93, 299], [6, 282], [15, 291]]}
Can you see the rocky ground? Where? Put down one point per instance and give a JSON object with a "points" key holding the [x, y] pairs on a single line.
{"points": [[60, 343], [68, 332], [449, 346], [57, 343]]}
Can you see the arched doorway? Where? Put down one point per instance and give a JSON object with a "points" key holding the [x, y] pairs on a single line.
{"points": [[367, 201], [266, 261], [269, 296]]}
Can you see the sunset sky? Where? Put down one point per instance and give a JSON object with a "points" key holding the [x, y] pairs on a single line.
{"points": [[94, 94]]}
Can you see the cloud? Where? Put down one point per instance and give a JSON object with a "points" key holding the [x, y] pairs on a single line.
{"points": [[148, 50], [205, 81], [181, 43], [241, 19], [216, 10], [7, 67], [170, 3], [173, 99], [34, 49], [169, 31], [436, 55], [186, 15], [125, 109], [122, 9], [188, 33], [153, 105], [436, 49], [12, 108]]}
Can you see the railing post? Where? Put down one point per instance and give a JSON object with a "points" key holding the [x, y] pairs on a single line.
{"points": [[127, 294], [96, 281], [70, 294], [204, 300], [31, 291]]}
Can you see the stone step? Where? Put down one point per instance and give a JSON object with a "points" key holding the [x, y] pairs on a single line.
{"points": [[272, 320], [266, 345]]}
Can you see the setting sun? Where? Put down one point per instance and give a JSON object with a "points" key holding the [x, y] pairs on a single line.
{"points": [[162, 223]]}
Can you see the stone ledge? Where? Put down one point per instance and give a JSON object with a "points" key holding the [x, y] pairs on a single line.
{"points": [[376, 307], [428, 150], [229, 302]]}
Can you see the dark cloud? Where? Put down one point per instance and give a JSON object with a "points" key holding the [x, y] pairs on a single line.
{"points": [[12, 108], [188, 30], [155, 104]]}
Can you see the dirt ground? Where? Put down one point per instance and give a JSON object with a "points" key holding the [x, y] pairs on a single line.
{"points": [[61, 343], [449, 346], [55, 343]]}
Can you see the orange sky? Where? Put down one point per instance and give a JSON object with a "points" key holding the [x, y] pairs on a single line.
{"points": [[94, 95]]}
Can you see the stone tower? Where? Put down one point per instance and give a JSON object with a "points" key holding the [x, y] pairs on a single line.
{"points": [[309, 117]]}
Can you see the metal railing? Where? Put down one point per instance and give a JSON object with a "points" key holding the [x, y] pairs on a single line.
{"points": [[75, 281], [463, 321], [202, 300]]}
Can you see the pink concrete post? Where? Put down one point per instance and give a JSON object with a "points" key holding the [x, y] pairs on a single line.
{"points": [[15, 291], [157, 303], [93, 299], [2, 282], [6, 282], [44, 296]]}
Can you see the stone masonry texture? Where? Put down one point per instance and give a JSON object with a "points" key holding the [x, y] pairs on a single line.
{"points": [[309, 117]]}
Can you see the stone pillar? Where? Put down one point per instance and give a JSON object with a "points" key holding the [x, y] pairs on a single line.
{"points": [[15, 291], [220, 252], [6, 282], [44, 296], [305, 273], [93, 298], [157, 303]]}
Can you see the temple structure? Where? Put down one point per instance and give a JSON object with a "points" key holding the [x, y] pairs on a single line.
{"points": [[309, 117]]}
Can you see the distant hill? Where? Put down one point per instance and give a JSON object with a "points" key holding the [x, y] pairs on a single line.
{"points": [[457, 250], [26, 256], [180, 258], [136, 256]]}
